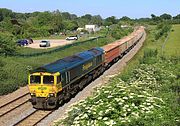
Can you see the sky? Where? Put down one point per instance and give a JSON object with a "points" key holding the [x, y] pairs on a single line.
{"points": [[105, 8]]}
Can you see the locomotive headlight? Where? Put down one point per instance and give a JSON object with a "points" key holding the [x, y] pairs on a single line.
{"points": [[51, 94], [33, 94]]}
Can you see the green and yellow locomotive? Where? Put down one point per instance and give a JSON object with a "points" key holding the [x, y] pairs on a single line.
{"points": [[54, 83]]}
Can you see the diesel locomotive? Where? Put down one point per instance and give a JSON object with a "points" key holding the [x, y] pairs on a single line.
{"points": [[54, 83]]}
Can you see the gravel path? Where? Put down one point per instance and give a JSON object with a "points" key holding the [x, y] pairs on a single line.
{"points": [[87, 91]]}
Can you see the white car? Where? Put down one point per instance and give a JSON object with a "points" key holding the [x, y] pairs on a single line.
{"points": [[44, 43], [72, 38]]}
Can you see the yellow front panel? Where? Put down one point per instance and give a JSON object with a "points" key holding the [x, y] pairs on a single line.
{"points": [[43, 90]]}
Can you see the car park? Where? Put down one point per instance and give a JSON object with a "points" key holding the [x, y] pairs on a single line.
{"points": [[44, 43]]}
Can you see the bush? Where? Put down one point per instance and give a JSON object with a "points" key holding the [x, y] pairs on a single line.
{"points": [[117, 32], [162, 29], [7, 44], [149, 57]]}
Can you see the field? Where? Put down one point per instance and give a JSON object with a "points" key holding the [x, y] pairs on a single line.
{"points": [[172, 46], [144, 94]]}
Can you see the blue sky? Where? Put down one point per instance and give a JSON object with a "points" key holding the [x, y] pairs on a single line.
{"points": [[105, 8]]}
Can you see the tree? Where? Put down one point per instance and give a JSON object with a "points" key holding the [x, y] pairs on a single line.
{"points": [[87, 17], [110, 20], [57, 21], [125, 18], [155, 18], [71, 25], [97, 19], [44, 18], [7, 44], [66, 16], [166, 16], [5, 13], [177, 17]]}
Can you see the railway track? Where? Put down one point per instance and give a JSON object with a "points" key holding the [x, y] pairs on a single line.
{"points": [[34, 118], [13, 104]]}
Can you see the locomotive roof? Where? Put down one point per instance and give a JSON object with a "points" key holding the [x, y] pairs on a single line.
{"points": [[70, 61]]}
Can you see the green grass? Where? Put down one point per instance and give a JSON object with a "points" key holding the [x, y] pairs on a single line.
{"points": [[172, 46], [50, 37]]}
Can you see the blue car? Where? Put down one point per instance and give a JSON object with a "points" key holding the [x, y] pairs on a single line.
{"points": [[23, 42]]}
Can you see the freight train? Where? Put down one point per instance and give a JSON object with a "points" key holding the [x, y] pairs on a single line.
{"points": [[55, 83]]}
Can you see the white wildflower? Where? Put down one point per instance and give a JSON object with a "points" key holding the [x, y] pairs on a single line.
{"points": [[112, 122], [148, 103], [100, 113], [140, 96], [84, 116], [133, 104], [126, 106], [76, 122], [76, 118], [106, 92], [99, 118], [135, 107], [125, 98], [120, 103], [107, 123], [94, 113], [105, 118], [131, 96], [110, 96]]}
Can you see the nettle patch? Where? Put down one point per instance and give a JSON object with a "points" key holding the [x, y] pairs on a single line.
{"points": [[122, 103]]}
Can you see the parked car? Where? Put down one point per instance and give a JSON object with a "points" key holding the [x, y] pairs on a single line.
{"points": [[72, 38], [22, 42], [44, 43]]}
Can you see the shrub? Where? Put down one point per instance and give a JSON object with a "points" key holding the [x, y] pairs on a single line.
{"points": [[162, 30], [7, 44], [149, 57]]}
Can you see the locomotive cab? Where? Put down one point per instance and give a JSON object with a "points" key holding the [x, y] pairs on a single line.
{"points": [[43, 89]]}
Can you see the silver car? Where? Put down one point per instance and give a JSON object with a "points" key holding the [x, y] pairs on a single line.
{"points": [[72, 38], [44, 43]]}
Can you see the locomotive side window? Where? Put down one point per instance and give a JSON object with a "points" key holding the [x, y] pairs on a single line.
{"points": [[48, 79], [35, 79]]}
